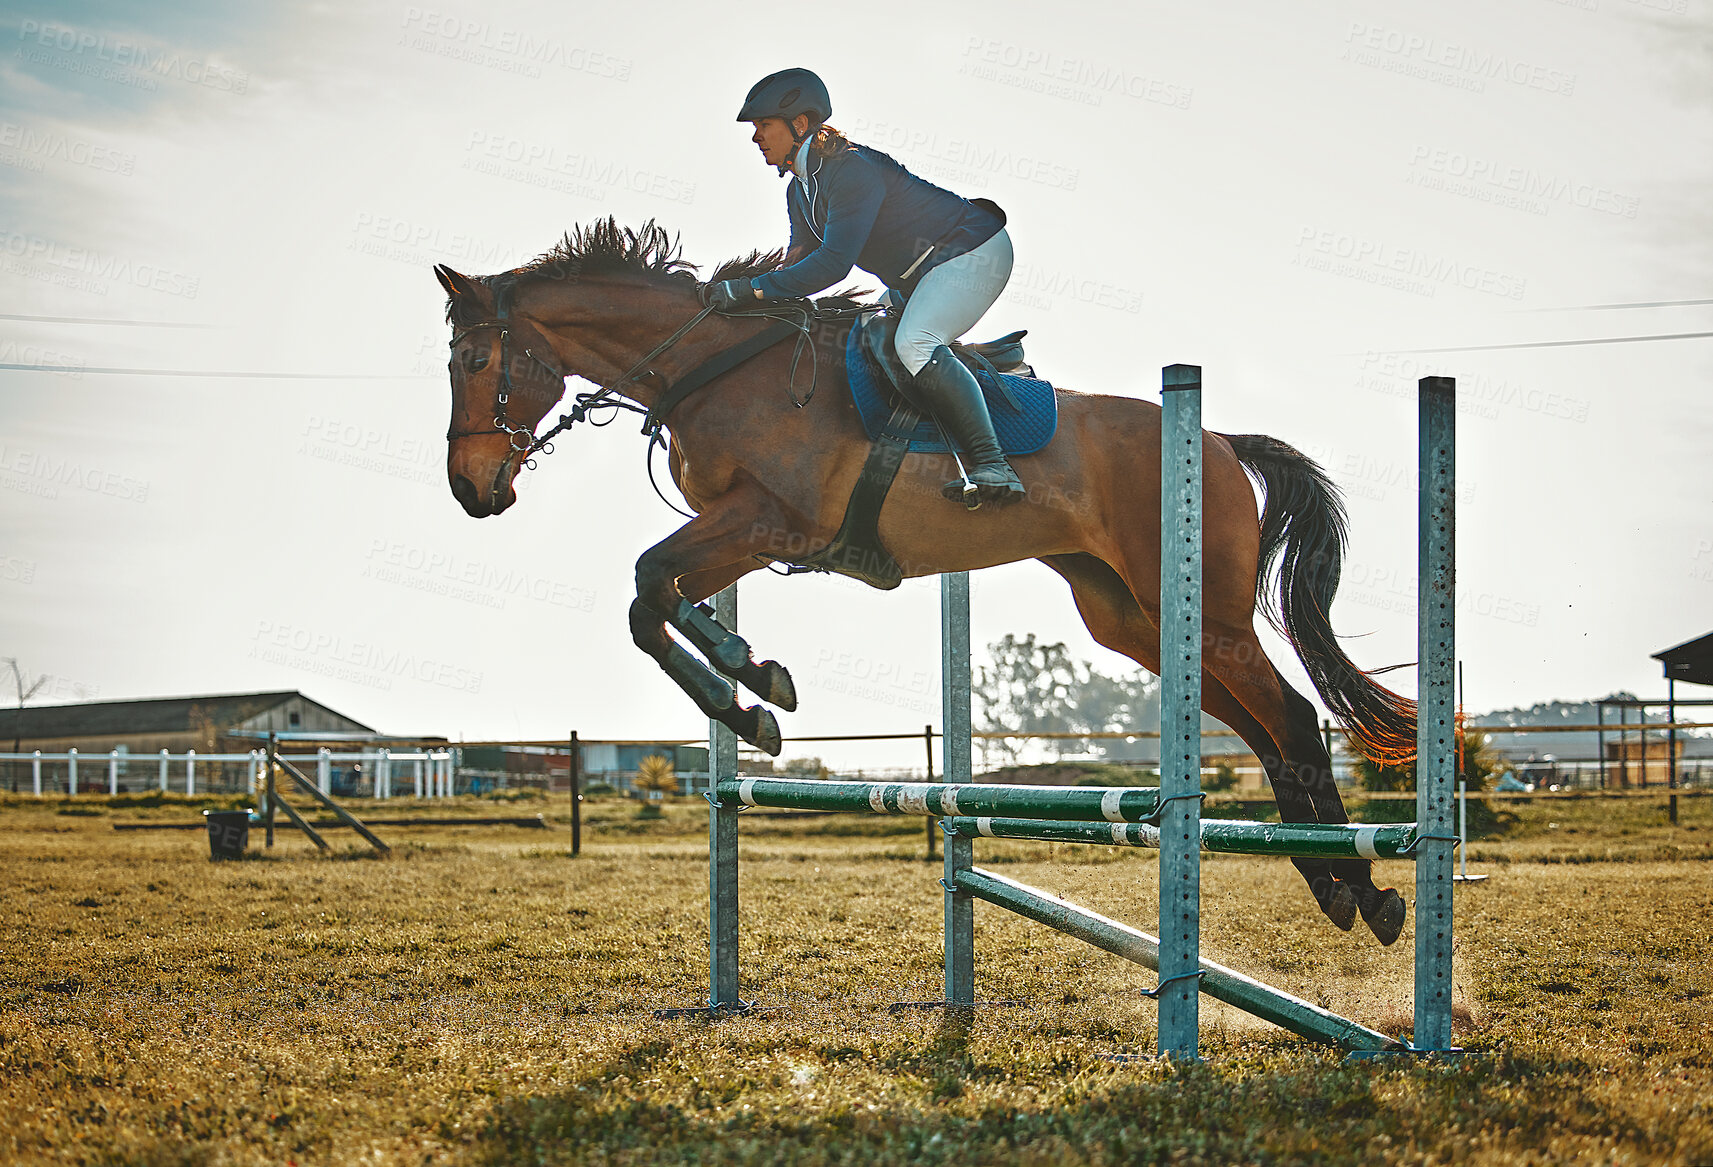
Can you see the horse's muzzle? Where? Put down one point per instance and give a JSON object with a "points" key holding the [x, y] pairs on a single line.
{"points": [[480, 502]]}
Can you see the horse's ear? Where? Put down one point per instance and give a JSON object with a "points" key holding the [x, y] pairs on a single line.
{"points": [[457, 285]]}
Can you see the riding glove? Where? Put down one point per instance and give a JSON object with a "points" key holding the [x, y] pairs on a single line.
{"points": [[731, 295]]}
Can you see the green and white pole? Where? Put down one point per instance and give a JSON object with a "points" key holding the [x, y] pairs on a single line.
{"points": [[1226, 836], [1095, 804]]}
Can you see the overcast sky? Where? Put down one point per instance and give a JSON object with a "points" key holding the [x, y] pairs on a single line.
{"points": [[1289, 195]]}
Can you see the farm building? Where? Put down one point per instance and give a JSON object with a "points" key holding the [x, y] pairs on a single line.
{"points": [[207, 724]]}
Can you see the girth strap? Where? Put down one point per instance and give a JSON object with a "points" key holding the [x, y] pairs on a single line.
{"points": [[720, 363], [856, 550]]}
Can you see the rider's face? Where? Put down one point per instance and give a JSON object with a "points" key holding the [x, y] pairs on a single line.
{"points": [[773, 136]]}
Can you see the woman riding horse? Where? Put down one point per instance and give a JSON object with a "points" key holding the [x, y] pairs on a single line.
{"points": [[945, 258]]}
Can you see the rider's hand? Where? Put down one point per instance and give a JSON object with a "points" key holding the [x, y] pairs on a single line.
{"points": [[728, 295]]}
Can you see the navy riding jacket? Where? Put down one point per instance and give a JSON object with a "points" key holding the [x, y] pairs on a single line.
{"points": [[862, 208]]}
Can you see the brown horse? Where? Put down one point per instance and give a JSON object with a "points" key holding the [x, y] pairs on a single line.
{"points": [[769, 480]]}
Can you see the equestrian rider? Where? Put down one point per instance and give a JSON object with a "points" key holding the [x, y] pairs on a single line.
{"points": [[945, 258]]}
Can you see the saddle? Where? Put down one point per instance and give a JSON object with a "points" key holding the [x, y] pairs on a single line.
{"points": [[1025, 416], [1024, 408], [1005, 355]]}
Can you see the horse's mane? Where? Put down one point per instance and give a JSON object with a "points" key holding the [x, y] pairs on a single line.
{"points": [[605, 248]]}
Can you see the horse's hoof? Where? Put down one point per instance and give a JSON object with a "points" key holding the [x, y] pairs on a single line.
{"points": [[1384, 914], [781, 690], [766, 738], [1340, 906]]}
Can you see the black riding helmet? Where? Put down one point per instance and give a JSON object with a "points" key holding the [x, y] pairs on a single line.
{"points": [[786, 94]]}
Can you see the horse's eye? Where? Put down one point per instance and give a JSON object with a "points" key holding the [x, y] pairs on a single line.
{"points": [[475, 362]]}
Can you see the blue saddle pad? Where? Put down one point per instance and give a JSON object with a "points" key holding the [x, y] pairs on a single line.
{"points": [[1019, 431]]}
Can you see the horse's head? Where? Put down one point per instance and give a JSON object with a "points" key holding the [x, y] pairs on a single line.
{"points": [[602, 305], [505, 378]]}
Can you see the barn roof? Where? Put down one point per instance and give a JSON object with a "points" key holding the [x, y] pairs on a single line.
{"points": [[1691, 661], [145, 715]]}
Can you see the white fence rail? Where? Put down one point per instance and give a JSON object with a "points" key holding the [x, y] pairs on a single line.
{"points": [[374, 774], [432, 774]]}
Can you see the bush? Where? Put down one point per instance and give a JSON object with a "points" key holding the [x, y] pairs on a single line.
{"points": [[655, 775], [1481, 768], [1222, 778]]}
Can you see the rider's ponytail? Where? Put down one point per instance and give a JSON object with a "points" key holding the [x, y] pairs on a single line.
{"points": [[828, 141]]}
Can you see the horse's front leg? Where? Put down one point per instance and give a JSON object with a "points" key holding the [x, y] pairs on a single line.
{"points": [[755, 724], [730, 654], [717, 547]]}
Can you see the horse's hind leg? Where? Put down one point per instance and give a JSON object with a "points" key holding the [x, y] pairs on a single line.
{"points": [[1311, 772], [1302, 782], [1116, 620]]}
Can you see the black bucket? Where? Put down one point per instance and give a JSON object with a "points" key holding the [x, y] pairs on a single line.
{"points": [[228, 833]]}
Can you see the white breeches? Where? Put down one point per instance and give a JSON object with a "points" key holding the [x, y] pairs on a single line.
{"points": [[951, 298]]}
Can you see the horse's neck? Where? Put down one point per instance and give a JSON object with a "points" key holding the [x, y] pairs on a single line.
{"points": [[618, 363], [707, 340]]}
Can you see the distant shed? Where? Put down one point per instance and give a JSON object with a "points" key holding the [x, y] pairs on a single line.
{"points": [[205, 723], [1691, 661]]}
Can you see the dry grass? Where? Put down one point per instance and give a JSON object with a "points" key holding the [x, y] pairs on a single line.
{"points": [[483, 998]]}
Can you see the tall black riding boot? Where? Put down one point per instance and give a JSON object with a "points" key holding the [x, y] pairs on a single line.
{"points": [[951, 393]]}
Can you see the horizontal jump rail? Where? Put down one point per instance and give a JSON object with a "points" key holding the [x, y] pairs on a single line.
{"points": [[1227, 836], [1303, 1018], [1115, 804]]}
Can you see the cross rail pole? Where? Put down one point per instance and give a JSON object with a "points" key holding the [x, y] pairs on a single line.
{"points": [[942, 799], [305, 784], [1223, 836], [301, 823], [1301, 1017]]}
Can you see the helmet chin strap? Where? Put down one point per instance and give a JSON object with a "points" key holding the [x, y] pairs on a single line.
{"points": [[797, 146]]}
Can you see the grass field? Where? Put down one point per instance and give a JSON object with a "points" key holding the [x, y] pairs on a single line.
{"points": [[481, 997]]}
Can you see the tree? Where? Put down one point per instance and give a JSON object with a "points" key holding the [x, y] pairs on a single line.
{"points": [[24, 694], [1034, 688]]}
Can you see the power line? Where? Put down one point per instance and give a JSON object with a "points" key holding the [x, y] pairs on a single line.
{"points": [[1610, 307], [216, 373], [101, 320], [1478, 348]]}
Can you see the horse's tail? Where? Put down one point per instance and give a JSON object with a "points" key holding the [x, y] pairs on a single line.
{"points": [[1303, 542]]}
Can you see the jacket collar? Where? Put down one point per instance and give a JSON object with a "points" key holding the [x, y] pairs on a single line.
{"points": [[805, 163]]}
